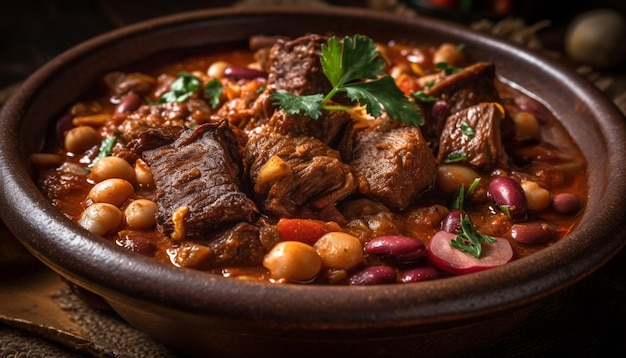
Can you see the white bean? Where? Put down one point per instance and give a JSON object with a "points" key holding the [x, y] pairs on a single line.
{"points": [[112, 167], [79, 139], [101, 218], [113, 191], [141, 214], [449, 53], [216, 69], [451, 176], [526, 126], [293, 261], [537, 198], [339, 250], [143, 174]]}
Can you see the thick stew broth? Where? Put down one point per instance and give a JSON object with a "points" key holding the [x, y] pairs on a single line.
{"points": [[193, 160]]}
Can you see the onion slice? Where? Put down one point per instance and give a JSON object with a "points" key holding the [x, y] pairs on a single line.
{"points": [[448, 258]]}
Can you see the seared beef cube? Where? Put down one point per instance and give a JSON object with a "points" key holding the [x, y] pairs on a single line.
{"points": [[473, 85], [474, 135], [191, 112], [295, 66], [236, 246], [198, 170], [393, 164], [293, 174], [333, 128]]}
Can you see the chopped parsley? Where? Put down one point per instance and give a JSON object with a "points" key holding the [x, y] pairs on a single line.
{"points": [[182, 89], [456, 156], [469, 240], [105, 150], [467, 130], [447, 68], [213, 92], [354, 66]]}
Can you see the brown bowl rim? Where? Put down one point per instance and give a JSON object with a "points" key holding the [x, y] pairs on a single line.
{"points": [[31, 217]]}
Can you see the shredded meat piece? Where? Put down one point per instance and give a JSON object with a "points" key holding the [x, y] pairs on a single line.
{"points": [[393, 165], [200, 169]]}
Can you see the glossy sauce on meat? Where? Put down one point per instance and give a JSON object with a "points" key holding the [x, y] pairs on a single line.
{"points": [[233, 179]]}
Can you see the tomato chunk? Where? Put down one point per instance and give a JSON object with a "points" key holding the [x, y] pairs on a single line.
{"points": [[303, 230]]}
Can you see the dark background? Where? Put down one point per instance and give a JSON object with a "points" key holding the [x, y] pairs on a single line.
{"points": [[34, 31], [585, 320]]}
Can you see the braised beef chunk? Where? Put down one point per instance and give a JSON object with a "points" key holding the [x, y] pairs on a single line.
{"points": [[333, 128], [191, 112], [292, 172], [295, 66], [455, 92], [393, 165], [236, 246], [474, 134], [200, 169]]}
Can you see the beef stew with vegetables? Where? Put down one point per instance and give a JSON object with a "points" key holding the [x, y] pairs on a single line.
{"points": [[317, 160]]}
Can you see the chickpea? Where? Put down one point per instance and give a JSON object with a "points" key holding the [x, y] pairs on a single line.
{"points": [[114, 191], [449, 53], [526, 126], [537, 198], [101, 218], [143, 174], [217, 68], [112, 167], [451, 176], [79, 139], [293, 261], [141, 214], [339, 250]]}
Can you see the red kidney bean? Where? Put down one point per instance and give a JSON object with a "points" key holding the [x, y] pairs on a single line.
{"points": [[63, 125], [399, 249], [243, 73], [129, 103], [531, 106], [138, 244], [440, 110], [452, 221], [566, 203], [504, 191], [420, 274], [374, 275], [533, 232]]}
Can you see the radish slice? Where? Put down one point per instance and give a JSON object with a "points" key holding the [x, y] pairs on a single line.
{"points": [[448, 258]]}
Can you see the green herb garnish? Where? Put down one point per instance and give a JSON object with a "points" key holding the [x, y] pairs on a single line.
{"points": [[420, 97], [467, 130], [105, 150], [182, 89], [456, 156], [354, 66], [459, 200], [213, 92], [447, 68], [468, 239]]}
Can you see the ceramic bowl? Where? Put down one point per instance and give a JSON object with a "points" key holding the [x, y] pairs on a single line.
{"points": [[206, 315]]}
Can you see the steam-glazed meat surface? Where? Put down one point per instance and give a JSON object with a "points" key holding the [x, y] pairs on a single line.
{"points": [[317, 160], [294, 174], [393, 165], [199, 169], [475, 134]]}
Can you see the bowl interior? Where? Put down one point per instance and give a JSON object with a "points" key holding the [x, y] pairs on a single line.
{"points": [[594, 123]]}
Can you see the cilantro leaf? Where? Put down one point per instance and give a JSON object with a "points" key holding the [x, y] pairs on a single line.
{"points": [[469, 240], [106, 148], [213, 92], [384, 92], [310, 105], [354, 66], [182, 89]]}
